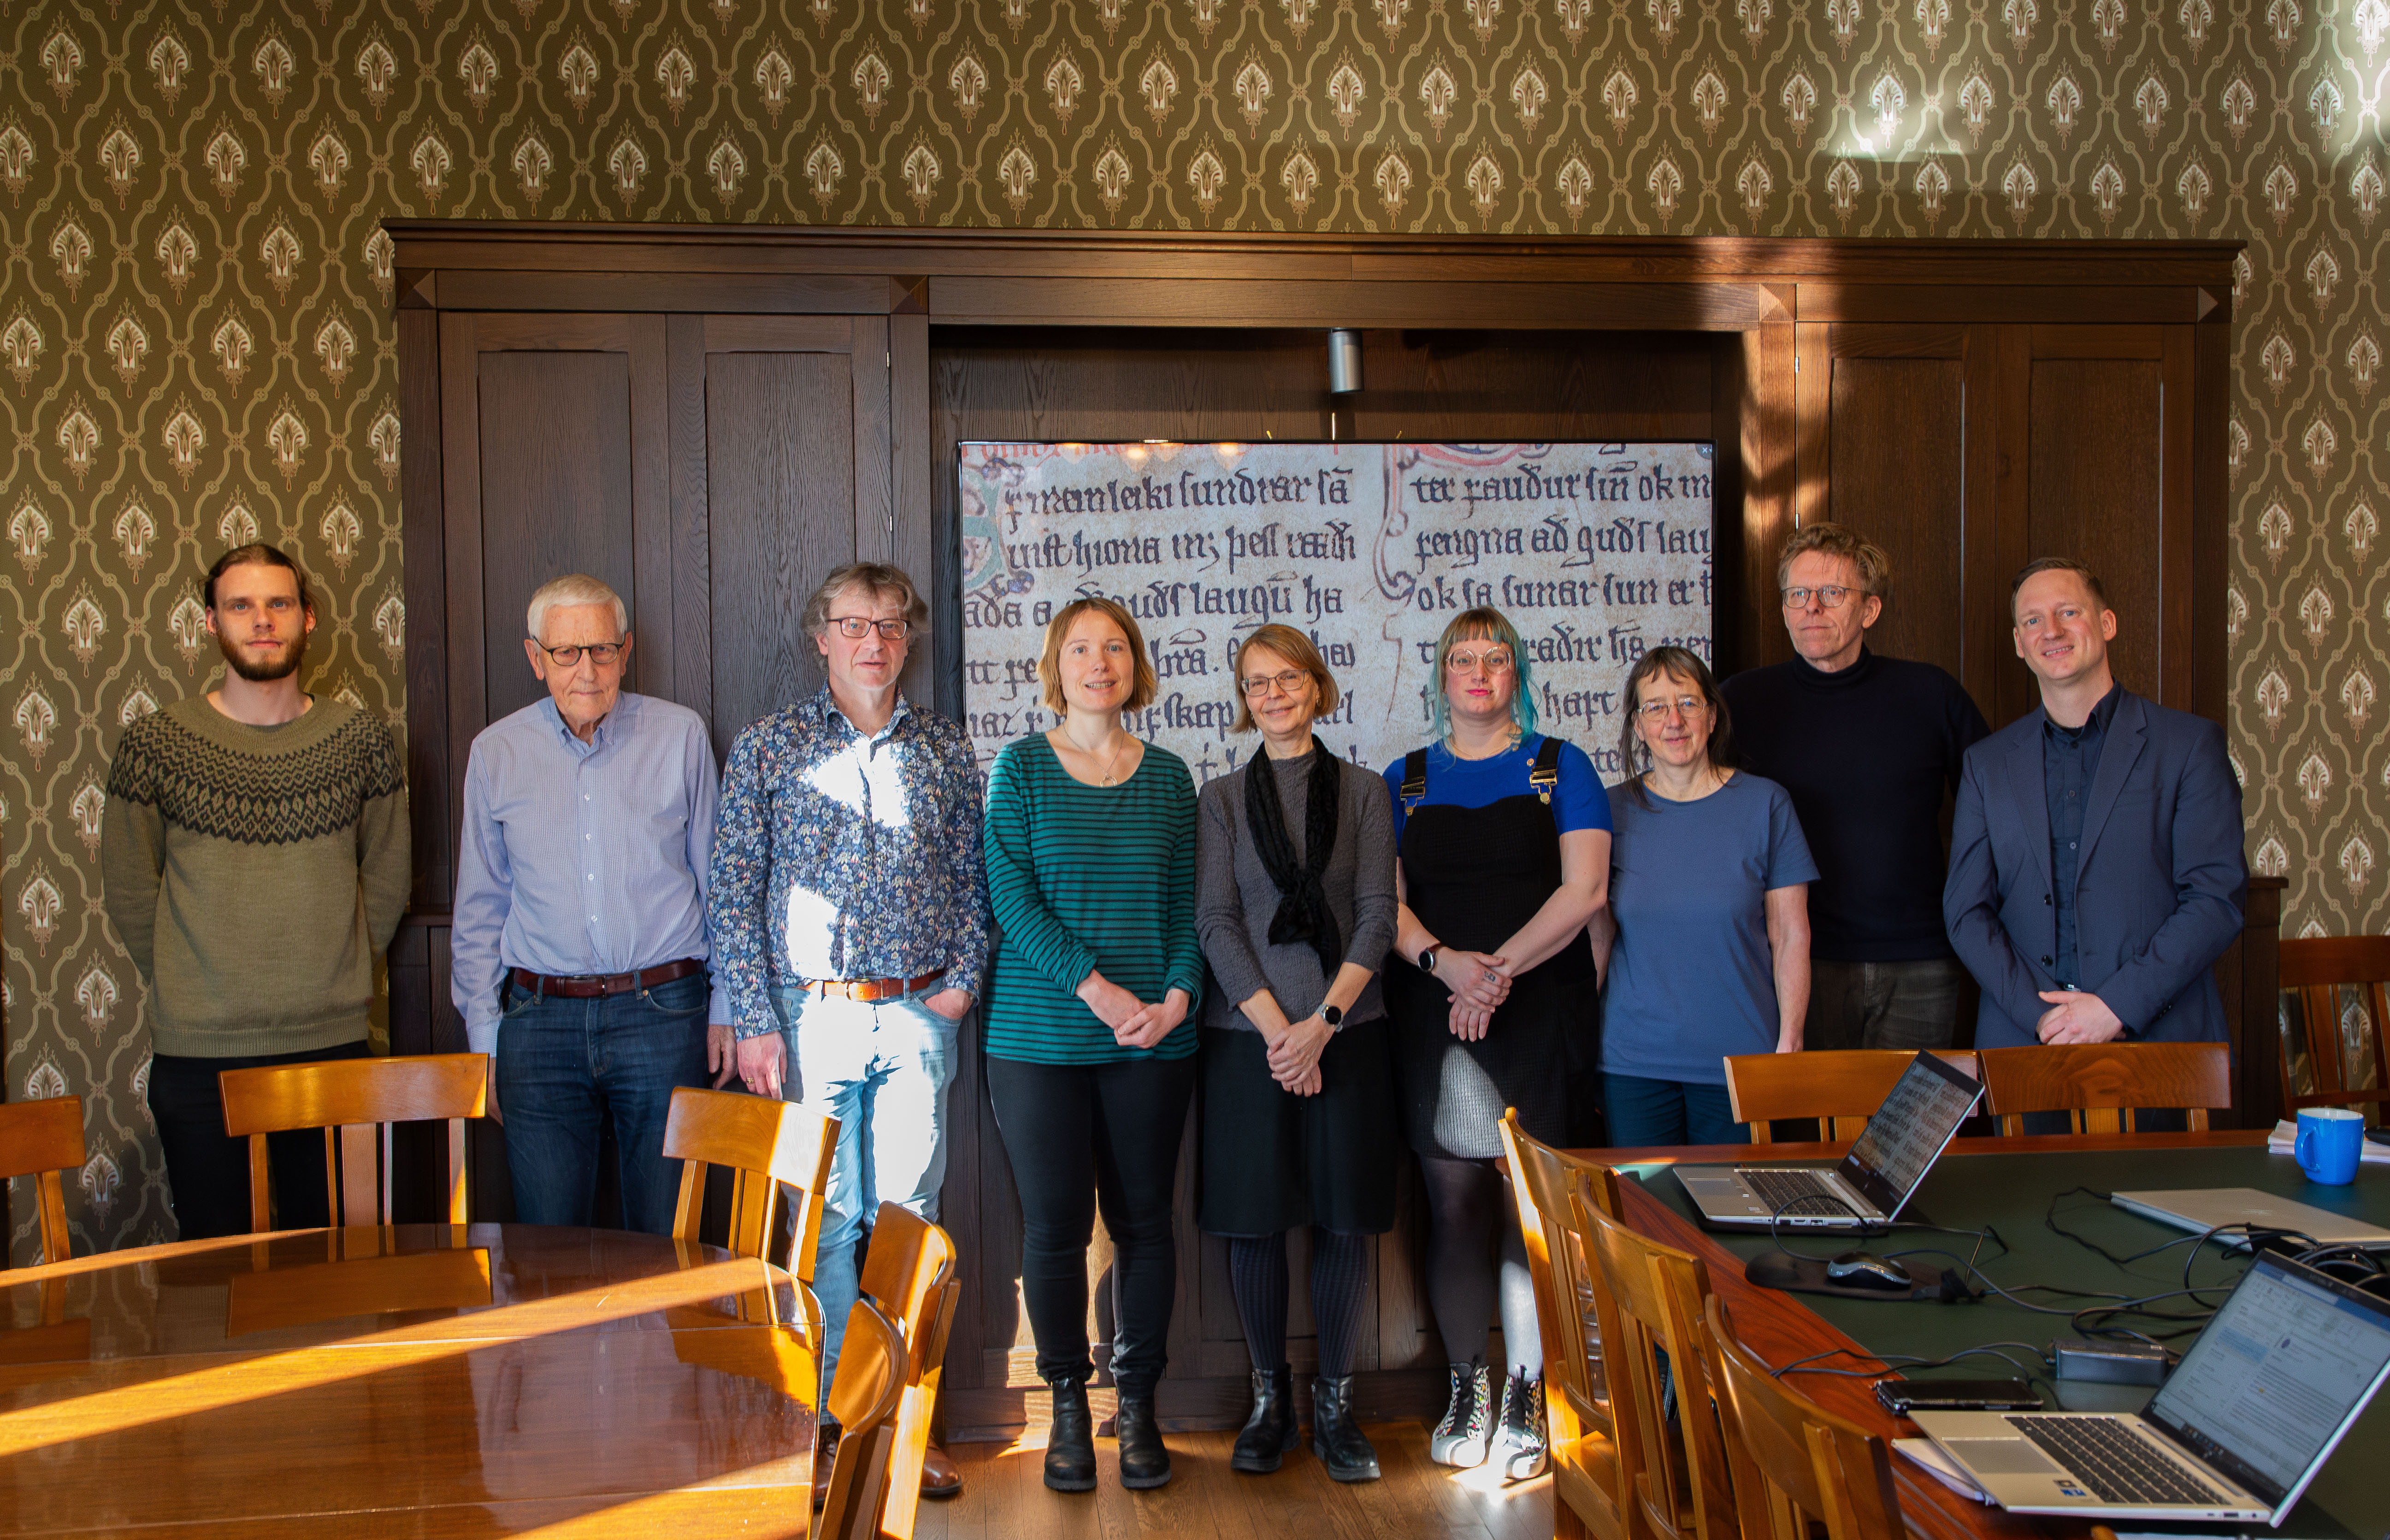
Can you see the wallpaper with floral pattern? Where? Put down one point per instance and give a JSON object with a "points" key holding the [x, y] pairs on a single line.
{"points": [[195, 295]]}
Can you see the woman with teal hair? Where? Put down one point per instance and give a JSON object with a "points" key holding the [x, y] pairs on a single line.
{"points": [[1503, 836]]}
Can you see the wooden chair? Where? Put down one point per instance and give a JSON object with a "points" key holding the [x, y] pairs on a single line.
{"points": [[1680, 1489], [1840, 1088], [347, 1098], [1794, 1461], [908, 1272], [1573, 1313], [2104, 1083], [864, 1398], [41, 1139], [2313, 971], [765, 1143]]}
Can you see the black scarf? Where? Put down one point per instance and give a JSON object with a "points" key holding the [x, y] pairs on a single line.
{"points": [[1303, 912]]}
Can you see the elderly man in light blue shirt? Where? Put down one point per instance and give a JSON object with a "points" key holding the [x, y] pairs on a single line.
{"points": [[580, 947]]}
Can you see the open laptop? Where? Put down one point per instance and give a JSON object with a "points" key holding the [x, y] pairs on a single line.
{"points": [[1871, 1185], [2205, 1209], [2241, 1428]]}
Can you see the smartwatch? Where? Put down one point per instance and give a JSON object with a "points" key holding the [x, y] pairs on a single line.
{"points": [[1427, 958], [1334, 1016]]}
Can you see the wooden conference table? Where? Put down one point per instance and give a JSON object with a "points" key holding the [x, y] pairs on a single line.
{"points": [[2010, 1185], [414, 1380]]}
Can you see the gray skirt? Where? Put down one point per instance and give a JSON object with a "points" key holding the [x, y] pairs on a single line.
{"points": [[1270, 1161]]}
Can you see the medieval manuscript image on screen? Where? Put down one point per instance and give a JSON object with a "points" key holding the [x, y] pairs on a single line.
{"points": [[1596, 552]]}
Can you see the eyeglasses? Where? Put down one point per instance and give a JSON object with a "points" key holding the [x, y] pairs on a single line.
{"points": [[1496, 659], [1833, 595], [1685, 705], [603, 654], [1260, 684], [856, 627]]}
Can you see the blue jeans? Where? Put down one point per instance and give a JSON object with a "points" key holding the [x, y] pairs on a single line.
{"points": [[1667, 1111], [565, 1066], [881, 1070]]}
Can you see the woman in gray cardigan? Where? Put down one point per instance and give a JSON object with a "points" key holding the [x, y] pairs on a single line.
{"points": [[1294, 902]]}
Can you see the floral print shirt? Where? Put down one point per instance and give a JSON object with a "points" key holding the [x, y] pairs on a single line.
{"points": [[838, 855]]}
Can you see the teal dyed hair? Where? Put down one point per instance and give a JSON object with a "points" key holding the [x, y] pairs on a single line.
{"points": [[1485, 625]]}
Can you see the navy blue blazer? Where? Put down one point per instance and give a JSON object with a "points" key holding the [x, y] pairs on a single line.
{"points": [[2160, 884]]}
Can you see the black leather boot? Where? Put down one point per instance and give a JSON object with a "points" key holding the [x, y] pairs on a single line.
{"points": [[1070, 1447], [1335, 1437], [1270, 1431], [1144, 1461]]}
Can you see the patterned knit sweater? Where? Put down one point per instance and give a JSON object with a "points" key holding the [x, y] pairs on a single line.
{"points": [[255, 873]]}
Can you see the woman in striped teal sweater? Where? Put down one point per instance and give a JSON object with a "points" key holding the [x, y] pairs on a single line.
{"points": [[1086, 1040]]}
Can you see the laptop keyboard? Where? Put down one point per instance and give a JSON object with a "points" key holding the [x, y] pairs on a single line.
{"points": [[1782, 1191], [2113, 1461]]}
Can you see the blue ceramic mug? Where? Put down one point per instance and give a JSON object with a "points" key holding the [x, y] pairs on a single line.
{"points": [[2331, 1143]]}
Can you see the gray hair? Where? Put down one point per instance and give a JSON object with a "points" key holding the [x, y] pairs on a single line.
{"points": [[572, 589], [881, 579]]}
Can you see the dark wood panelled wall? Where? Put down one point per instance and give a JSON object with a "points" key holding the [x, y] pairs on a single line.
{"points": [[711, 418]]}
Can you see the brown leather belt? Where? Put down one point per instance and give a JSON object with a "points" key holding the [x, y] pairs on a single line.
{"points": [[594, 986], [870, 991]]}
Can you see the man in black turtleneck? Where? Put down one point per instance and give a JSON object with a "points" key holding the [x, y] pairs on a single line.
{"points": [[1868, 746]]}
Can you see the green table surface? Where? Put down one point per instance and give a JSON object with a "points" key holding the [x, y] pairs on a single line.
{"points": [[2012, 1193]]}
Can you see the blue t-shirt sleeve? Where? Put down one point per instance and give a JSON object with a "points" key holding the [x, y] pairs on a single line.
{"points": [[1393, 777], [1579, 802], [1788, 850]]}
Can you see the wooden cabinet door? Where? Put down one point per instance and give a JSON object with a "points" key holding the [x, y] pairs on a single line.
{"points": [[1895, 436], [780, 471]]}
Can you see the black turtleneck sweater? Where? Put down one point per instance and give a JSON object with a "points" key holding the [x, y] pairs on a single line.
{"points": [[1867, 754]]}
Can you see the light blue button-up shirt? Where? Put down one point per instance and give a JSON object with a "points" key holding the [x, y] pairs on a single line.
{"points": [[582, 857]]}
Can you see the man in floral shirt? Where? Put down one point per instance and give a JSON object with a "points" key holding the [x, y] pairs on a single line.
{"points": [[849, 910]]}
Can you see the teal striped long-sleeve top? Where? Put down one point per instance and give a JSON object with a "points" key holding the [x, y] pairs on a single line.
{"points": [[1085, 878]]}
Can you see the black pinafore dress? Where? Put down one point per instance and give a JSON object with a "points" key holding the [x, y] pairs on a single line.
{"points": [[1473, 876]]}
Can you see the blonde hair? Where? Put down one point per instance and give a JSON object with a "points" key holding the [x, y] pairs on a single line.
{"points": [[1142, 688], [1827, 539], [569, 590], [877, 578], [1296, 649], [1483, 624]]}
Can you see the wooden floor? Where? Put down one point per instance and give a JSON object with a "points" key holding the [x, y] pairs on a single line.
{"points": [[1003, 1497]]}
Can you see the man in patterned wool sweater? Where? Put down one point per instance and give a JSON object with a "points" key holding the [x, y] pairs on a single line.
{"points": [[256, 860]]}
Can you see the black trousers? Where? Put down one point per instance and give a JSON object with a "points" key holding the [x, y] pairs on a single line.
{"points": [[1083, 1138], [207, 1171]]}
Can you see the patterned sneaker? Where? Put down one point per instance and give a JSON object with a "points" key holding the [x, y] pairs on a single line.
{"points": [[1519, 1441], [1461, 1438]]}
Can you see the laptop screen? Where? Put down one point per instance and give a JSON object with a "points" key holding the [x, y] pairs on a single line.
{"points": [[2276, 1376], [1926, 1105]]}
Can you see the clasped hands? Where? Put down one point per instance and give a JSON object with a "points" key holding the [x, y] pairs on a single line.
{"points": [[1479, 985], [2076, 1017], [1133, 1023]]}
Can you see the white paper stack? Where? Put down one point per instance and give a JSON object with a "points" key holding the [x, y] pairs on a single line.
{"points": [[2285, 1138], [1938, 1465]]}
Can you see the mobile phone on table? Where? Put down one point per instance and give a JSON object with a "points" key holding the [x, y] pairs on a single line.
{"points": [[1903, 1397]]}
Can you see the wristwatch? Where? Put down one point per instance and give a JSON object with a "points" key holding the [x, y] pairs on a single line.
{"points": [[1427, 958], [1334, 1016]]}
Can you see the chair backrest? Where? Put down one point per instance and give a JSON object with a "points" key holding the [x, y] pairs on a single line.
{"points": [[354, 1101], [2104, 1083], [2341, 1069], [1574, 1315], [765, 1143], [908, 1272], [1681, 1486], [1794, 1461], [863, 1396], [1839, 1087], [41, 1139]]}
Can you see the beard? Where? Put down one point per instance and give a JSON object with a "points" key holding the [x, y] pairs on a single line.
{"points": [[263, 674]]}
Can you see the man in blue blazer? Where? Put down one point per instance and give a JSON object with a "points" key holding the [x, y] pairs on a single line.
{"points": [[2096, 872]]}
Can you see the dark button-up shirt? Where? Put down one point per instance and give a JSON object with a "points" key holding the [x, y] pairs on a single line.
{"points": [[2069, 759], [839, 855], [582, 857]]}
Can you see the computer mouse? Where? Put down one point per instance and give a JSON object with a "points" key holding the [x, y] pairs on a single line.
{"points": [[1867, 1270]]}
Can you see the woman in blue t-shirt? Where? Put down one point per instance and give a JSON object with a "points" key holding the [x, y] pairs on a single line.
{"points": [[1705, 939], [1503, 840]]}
